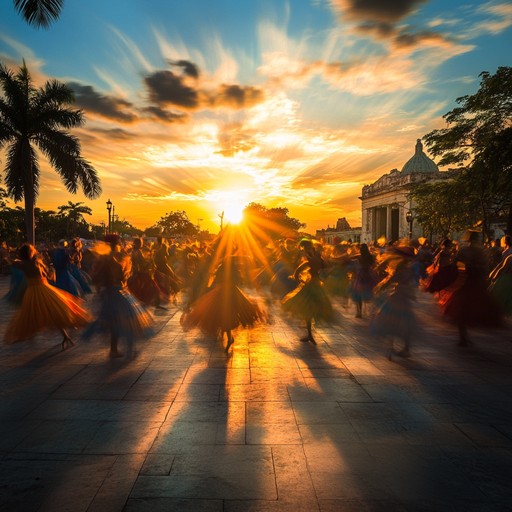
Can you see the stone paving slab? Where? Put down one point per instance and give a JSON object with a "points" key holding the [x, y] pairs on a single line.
{"points": [[276, 425]]}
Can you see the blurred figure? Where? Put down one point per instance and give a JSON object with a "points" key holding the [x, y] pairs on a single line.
{"points": [[309, 300], [395, 296], [471, 304], [364, 279], [43, 307], [120, 315], [224, 306], [501, 285]]}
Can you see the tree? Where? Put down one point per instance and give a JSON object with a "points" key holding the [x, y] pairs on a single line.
{"points": [[74, 215], [478, 139], [443, 207], [274, 222], [40, 13], [174, 224], [33, 118]]}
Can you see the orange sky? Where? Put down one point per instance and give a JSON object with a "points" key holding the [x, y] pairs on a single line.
{"points": [[296, 104]]}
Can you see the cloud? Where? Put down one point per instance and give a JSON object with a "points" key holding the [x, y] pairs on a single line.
{"points": [[376, 10], [189, 68], [166, 88], [105, 106], [238, 96]]}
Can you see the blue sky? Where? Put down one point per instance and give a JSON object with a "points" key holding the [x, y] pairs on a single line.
{"points": [[206, 106]]}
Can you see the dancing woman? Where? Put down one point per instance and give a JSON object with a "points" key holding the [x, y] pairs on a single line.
{"points": [[224, 307], [364, 279], [43, 306], [120, 315], [309, 300], [444, 269], [471, 304], [501, 285], [395, 296]]}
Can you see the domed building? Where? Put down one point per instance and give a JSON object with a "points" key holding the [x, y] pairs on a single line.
{"points": [[387, 208]]}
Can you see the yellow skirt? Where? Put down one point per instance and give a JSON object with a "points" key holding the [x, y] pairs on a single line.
{"points": [[45, 307]]}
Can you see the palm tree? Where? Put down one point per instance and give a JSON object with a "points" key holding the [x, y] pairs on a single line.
{"points": [[39, 12], [33, 119], [74, 214]]}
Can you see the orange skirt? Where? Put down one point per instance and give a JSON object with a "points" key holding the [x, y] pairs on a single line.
{"points": [[45, 307]]}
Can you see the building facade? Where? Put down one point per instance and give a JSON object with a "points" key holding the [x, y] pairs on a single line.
{"points": [[342, 232], [387, 207]]}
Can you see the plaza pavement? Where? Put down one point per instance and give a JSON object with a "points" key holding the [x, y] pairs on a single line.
{"points": [[278, 425]]}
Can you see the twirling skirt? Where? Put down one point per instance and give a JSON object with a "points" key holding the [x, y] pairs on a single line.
{"points": [[45, 307], [395, 317], [223, 308], [501, 290], [309, 301], [122, 316]]}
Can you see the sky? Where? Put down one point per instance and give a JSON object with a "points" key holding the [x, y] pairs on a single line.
{"points": [[206, 106]]}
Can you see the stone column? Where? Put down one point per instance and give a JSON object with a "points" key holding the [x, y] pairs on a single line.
{"points": [[388, 223]]}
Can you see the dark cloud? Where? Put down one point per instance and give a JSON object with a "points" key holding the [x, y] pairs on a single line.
{"points": [[162, 114], [166, 88], [189, 68], [376, 10], [107, 106], [238, 96]]}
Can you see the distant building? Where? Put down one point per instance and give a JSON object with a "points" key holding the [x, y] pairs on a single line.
{"points": [[387, 208], [342, 232]]}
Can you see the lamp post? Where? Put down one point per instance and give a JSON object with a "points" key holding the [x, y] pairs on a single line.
{"points": [[109, 210], [409, 218]]}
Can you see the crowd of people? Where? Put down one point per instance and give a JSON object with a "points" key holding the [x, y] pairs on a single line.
{"points": [[218, 285]]}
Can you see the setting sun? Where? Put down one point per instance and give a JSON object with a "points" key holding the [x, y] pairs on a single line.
{"points": [[233, 213]]}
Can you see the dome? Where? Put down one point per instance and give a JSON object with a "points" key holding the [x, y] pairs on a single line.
{"points": [[419, 162]]}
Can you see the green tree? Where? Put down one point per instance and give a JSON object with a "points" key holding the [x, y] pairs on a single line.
{"points": [[478, 139], [443, 207], [40, 13], [38, 118]]}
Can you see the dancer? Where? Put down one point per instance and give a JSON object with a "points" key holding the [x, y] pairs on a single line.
{"points": [[395, 296], [471, 304], [75, 265], [443, 271], [309, 300], [224, 307], [64, 280], [43, 306], [363, 280], [120, 315], [501, 285], [336, 281], [165, 276], [141, 282]]}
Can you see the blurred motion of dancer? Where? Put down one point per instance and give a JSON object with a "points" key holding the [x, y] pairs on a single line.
{"points": [[501, 285], [364, 279], [309, 300], [471, 304], [395, 296], [43, 307], [120, 315], [224, 307]]}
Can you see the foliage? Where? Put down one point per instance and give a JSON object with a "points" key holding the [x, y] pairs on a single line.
{"points": [[173, 224], [443, 207], [40, 118], [478, 139], [40, 13], [274, 222]]}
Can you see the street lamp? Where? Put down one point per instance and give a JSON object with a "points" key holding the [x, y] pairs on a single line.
{"points": [[409, 218], [109, 210]]}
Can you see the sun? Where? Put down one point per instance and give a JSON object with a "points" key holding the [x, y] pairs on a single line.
{"points": [[233, 213]]}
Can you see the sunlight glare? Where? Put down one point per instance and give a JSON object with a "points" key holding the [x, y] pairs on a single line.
{"points": [[233, 213]]}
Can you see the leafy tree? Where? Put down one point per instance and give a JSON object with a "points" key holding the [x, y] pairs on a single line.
{"points": [[73, 213], [274, 222], [40, 13], [174, 224], [478, 139], [31, 118], [442, 207]]}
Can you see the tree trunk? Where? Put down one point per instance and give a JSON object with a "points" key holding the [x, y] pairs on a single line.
{"points": [[29, 216]]}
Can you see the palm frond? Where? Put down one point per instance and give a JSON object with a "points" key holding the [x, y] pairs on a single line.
{"points": [[21, 170], [40, 13]]}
